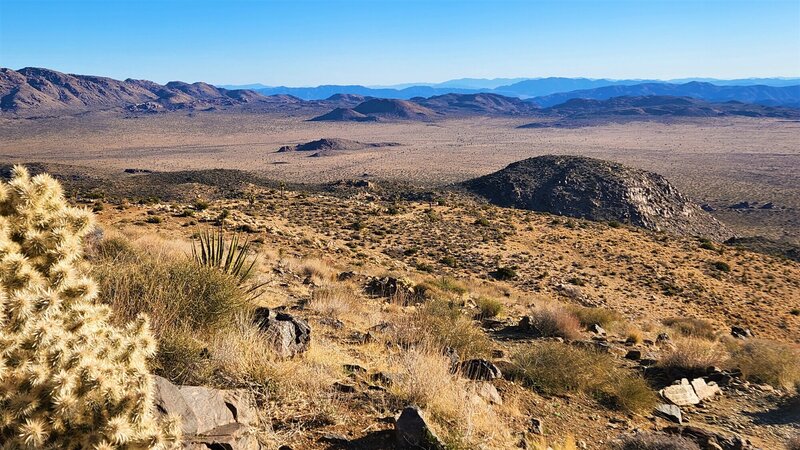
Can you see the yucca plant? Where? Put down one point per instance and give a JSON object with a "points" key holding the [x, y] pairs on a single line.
{"points": [[211, 250]]}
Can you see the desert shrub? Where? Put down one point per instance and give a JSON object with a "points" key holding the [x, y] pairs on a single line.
{"points": [[154, 219], [556, 322], [439, 324], [722, 266], [333, 300], [694, 355], [449, 284], [489, 307], [69, 378], [691, 327], [590, 316], [557, 368], [174, 292], [770, 362], [424, 378], [655, 441], [504, 273]]}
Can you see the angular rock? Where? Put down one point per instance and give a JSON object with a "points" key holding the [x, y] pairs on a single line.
{"points": [[488, 392], [210, 418], [480, 369], [741, 333], [680, 394], [388, 287], [289, 335], [536, 426], [634, 355], [669, 412], [597, 329], [705, 390], [413, 432]]}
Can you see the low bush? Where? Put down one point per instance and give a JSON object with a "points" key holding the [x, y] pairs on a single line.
{"points": [[691, 327], [769, 362], [333, 300], [694, 355], [589, 316], [489, 307], [557, 368], [555, 322]]}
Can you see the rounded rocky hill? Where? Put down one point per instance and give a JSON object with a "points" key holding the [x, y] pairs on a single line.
{"points": [[597, 190]]}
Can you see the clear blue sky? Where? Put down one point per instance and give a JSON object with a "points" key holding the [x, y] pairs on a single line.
{"points": [[383, 42]]}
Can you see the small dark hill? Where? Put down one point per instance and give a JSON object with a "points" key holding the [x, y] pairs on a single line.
{"points": [[490, 104], [346, 100], [344, 115], [386, 108], [597, 190], [328, 146]]}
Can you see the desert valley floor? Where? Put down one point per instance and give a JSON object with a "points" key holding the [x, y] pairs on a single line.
{"points": [[719, 162]]}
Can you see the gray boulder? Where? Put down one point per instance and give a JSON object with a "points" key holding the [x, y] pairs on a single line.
{"points": [[210, 418], [480, 369], [288, 334]]}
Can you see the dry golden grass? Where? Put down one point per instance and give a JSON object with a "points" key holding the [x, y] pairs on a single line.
{"points": [[461, 417], [691, 327], [694, 354], [334, 300], [770, 362], [601, 316], [555, 321]]}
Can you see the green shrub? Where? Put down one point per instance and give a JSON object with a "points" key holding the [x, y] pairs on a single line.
{"points": [[439, 324], [68, 377], [489, 307], [504, 273], [721, 266], [557, 368]]}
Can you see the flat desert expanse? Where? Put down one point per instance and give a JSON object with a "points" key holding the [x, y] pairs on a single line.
{"points": [[715, 161]]}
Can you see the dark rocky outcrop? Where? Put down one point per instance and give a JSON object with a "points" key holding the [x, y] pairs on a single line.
{"points": [[288, 334], [597, 190], [330, 145], [413, 431]]}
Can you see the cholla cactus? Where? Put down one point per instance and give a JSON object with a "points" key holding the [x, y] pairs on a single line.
{"points": [[69, 379]]}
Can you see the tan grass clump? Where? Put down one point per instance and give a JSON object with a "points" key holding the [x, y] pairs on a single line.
{"points": [[769, 362], [601, 316], [334, 300], [556, 322], [68, 377], [558, 368], [694, 354], [691, 327]]}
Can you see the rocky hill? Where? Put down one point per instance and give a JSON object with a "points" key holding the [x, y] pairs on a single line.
{"points": [[490, 104], [328, 146], [43, 90], [597, 190]]}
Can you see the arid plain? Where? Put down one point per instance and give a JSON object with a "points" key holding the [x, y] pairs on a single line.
{"points": [[719, 162]]}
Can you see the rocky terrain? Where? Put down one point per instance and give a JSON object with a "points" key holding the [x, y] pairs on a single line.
{"points": [[333, 146], [597, 190]]}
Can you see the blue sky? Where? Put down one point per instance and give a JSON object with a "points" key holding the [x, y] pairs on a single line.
{"points": [[372, 42]]}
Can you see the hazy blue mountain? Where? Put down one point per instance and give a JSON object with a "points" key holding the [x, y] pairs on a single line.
{"points": [[775, 81], [762, 95]]}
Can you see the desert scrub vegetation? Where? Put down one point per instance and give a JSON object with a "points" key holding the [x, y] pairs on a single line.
{"points": [[440, 324], [489, 307], [425, 379], [601, 316], [555, 321], [770, 362], [692, 327], [692, 354], [69, 378], [557, 368]]}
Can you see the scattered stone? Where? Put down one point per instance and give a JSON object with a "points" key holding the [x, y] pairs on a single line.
{"points": [[413, 431], [536, 426], [452, 355], [382, 378], [388, 287], [662, 338], [488, 392], [333, 438], [480, 369], [634, 355], [344, 387], [741, 333], [680, 394], [344, 276], [670, 412], [354, 368], [705, 390], [288, 334], [597, 329], [707, 439], [210, 418]]}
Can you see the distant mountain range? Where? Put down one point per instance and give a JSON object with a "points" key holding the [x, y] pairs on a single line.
{"points": [[512, 87], [36, 91]]}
